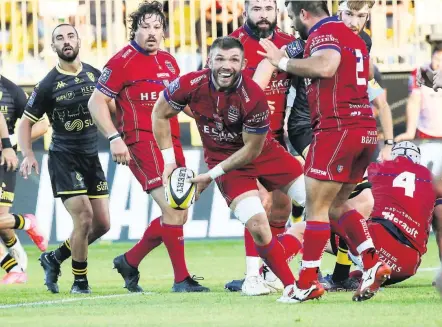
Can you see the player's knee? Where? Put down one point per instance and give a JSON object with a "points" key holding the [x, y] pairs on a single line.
{"points": [[296, 191], [101, 229], [250, 212], [363, 202], [84, 221]]}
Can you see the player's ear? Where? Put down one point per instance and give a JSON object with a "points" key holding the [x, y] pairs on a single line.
{"points": [[244, 64], [79, 43], [53, 47]]}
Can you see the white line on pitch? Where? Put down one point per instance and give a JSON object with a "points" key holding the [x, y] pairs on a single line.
{"points": [[32, 304]]}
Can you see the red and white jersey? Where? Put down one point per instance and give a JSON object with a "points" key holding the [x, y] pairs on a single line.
{"points": [[135, 79], [279, 84], [340, 102], [221, 117], [430, 116], [403, 194]]}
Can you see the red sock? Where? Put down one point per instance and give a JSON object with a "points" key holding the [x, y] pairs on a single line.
{"points": [[150, 240], [274, 255], [278, 229], [336, 228], [174, 241], [291, 246], [357, 231], [316, 235], [249, 244]]}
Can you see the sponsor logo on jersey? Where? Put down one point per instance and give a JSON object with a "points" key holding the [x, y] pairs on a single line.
{"points": [[128, 51], [170, 66], [244, 93], [196, 80], [163, 75], [60, 85], [146, 96], [259, 117], [78, 80], [220, 136], [328, 38], [87, 90], [76, 125], [102, 186], [91, 76], [233, 114], [399, 222], [175, 85], [151, 181], [67, 96], [105, 75]]}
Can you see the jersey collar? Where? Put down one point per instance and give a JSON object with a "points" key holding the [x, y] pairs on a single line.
{"points": [[139, 49], [253, 35], [322, 22], [65, 72]]}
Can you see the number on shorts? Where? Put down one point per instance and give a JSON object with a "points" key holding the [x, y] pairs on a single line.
{"points": [[359, 67], [407, 181]]}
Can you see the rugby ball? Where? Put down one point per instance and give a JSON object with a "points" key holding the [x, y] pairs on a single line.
{"points": [[180, 194]]}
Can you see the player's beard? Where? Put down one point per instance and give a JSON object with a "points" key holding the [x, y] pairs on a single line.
{"points": [[222, 84], [261, 32], [301, 28], [68, 58]]}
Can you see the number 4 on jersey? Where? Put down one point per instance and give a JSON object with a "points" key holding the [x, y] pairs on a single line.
{"points": [[406, 180]]}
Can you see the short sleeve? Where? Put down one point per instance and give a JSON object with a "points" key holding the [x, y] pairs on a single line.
{"points": [[175, 93], [111, 80], [325, 40], [37, 104], [257, 120]]}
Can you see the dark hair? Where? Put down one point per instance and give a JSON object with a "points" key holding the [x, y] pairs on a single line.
{"points": [[316, 8], [146, 8], [437, 47], [247, 2], [227, 43], [63, 24]]}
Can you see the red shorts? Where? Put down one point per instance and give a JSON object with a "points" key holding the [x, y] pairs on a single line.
{"points": [[274, 168], [402, 259], [422, 135], [147, 161], [341, 156]]}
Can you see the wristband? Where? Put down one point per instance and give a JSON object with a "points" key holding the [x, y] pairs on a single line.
{"points": [[6, 143], [168, 156], [216, 171], [389, 142], [283, 63], [114, 137]]}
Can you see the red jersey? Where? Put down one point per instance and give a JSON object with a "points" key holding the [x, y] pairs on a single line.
{"points": [[221, 117], [403, 193], [279, 84], [135, 78], [340, 102]]}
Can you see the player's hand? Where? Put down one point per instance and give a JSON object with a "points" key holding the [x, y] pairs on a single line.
{"points": [[437, 80], [407, 136], [272, 53], [271, 106], [168, 169], [385, 153], [120, 152], [10, 158], [295, 49], [27, 164], [202, 182]]}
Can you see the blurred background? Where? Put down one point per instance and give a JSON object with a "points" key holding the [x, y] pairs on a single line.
{"points": [[404, 34]]}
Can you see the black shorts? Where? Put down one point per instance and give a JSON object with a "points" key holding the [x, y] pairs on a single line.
{"points": [[360, 187], [7, 182], [76, 174], [300, 138]]}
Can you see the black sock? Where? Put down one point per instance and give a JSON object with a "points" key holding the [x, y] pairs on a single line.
{"points": [[79, 269], [343, 264], [8, 263], [11, 242], [19, 221], [63, 252]]}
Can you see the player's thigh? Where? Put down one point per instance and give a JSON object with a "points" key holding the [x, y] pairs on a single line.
{"points": [[320, 196], [363, 202], [340, 203], [7, 182], [403, 260], [169, 215], [101, 217], [68, 173]]}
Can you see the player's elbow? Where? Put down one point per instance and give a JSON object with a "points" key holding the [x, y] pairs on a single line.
{"points": [[328, 71]]}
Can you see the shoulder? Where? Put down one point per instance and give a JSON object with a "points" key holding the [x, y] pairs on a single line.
{"points": [[196, 79], [9, 85], [47, 82], [166, 56], [90, 68], [236, 33], [122, 57], [250, 92], [283, 37]]}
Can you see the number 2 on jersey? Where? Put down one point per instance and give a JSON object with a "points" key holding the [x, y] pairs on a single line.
{"points": [[406, 180], [359, 67]]}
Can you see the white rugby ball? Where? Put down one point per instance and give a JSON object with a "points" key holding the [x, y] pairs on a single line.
{"points": [[180, 194]]}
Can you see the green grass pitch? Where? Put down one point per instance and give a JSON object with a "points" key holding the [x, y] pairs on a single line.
{"points": [[413, 303]]}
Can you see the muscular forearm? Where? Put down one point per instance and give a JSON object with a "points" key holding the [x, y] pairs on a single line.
{"points": [[312, 67], [161, 131], [24, 137], [39, 129], [240, 158], [263, 73], [384, 117], [100, 113]]}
